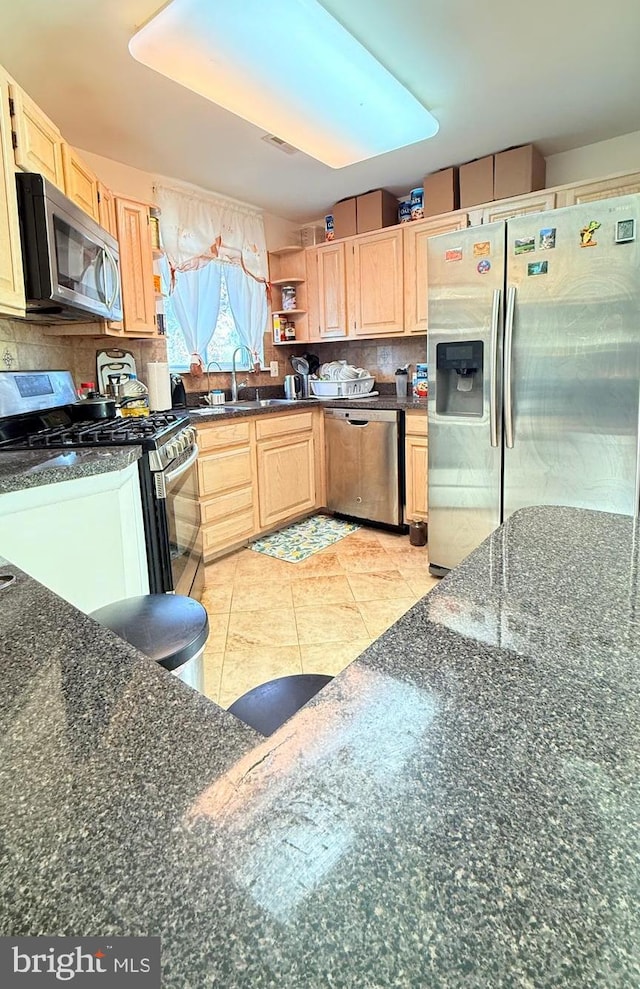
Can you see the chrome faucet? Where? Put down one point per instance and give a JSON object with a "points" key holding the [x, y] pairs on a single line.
{"points": [[234, 382], [208, 378]]}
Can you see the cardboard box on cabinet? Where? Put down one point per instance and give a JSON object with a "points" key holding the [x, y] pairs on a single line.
{"points": [[375, 210], [518, 171], [476, 182], [441, 192], [344, 218]]}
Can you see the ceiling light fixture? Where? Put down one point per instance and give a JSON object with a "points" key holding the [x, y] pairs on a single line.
{"points": [[290, 68]]}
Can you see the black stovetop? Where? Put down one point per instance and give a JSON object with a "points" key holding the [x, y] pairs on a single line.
{"points": [[58, 428]]}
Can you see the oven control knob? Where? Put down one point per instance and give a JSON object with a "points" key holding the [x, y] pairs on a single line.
{"points": [[172, 449]]}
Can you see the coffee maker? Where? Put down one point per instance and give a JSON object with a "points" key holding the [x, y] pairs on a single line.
{"points": [[178, 393]]}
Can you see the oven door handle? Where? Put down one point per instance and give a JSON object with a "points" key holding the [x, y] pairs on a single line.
{"points": [[173, 474]]}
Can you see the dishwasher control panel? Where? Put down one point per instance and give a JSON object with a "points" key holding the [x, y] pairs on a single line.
{"points": [[363, 415]]}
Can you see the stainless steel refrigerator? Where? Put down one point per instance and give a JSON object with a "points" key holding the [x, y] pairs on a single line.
{"points": [[534, 370]]}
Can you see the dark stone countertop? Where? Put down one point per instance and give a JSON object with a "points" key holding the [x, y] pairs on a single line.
{"points": [[459, 807], [21, 469], [204, 414]]}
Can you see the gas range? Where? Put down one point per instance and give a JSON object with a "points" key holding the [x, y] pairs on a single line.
{"points": [[165, 436], [39, 410]]}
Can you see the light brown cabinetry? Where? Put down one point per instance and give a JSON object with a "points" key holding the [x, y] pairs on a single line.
{"points": [[255, 474], [136, 268], [537, 202], [286, 467], [37, 141], [416, 467], [287, 266], [226, 484], [12, 301], [375, 305], [589, 192], [331, 281], [80, 183], [107, 209], [416, 236]]}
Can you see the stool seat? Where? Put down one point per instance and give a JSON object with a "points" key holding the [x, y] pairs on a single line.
{"points": [[170, 628], [269, 705]]}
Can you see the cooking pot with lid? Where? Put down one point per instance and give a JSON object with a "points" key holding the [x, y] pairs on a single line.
{"points": [[95, 407]]}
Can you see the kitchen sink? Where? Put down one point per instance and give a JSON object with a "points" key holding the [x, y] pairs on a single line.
{"points": [[261, 403], [264, 403]]}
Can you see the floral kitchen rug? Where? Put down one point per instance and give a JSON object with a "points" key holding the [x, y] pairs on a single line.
{"points": [[299, 541]]}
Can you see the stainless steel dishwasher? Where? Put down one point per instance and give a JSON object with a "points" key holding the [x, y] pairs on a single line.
{"points": [[364, 461]]}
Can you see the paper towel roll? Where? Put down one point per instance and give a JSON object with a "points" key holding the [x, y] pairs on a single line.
{"points": [[159, 385]]}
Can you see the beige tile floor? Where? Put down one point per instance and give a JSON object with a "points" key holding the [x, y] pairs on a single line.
{"points": [[269, 618]]}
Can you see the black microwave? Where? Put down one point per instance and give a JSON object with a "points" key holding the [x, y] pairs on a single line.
{"points": [[71, 264]]}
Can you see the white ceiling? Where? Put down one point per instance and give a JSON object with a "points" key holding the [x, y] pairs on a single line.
{"points": [[495, 73]]}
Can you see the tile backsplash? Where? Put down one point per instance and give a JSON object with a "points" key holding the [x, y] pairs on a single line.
{"points": [[27, 347], [380, 357]]}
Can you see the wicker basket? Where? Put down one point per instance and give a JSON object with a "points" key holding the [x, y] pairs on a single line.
{"points": [[341, 389]]}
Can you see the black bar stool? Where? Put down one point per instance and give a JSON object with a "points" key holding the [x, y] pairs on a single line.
{"points": [[269, 705], [172, 629]]}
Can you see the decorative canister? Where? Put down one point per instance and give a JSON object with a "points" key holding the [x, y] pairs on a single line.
{"points": [[289, 330], [329, 233], [288, 297], [404, 212], [418, 533], [417, 207]]}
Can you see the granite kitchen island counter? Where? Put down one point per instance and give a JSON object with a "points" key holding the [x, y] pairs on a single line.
{"points": [[21, 469], [459, 807]]}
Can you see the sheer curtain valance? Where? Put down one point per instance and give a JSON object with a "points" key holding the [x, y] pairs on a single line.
{"points": [[206, 238]]}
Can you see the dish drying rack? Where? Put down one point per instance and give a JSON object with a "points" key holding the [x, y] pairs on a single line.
{"points": [[341, 389]]}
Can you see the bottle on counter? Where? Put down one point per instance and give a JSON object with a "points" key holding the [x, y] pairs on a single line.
{"points": [[402, 376]]}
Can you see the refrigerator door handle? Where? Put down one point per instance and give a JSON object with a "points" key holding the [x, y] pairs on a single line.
{"points": [[508, 347], [493, 381]]}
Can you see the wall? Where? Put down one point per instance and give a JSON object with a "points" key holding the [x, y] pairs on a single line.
{"points": [[27, 347], [594, 161]]}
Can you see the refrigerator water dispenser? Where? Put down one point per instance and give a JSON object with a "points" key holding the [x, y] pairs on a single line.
{"points": [[459, 378]]}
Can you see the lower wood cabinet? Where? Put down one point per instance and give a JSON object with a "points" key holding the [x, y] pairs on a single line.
{"points": [[286, 467], [226, 484], [416, 467], [254, 474]]}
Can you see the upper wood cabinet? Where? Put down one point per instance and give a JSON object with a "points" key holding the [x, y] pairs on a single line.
{"points": [[12, 301], [588, 192], [536, 202], [416, 236], [37, 141], [332, 291], [136, 268], [107, 209], [80, 183], [313, 303], [375, 285]]}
